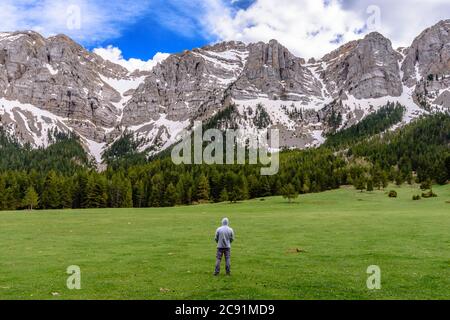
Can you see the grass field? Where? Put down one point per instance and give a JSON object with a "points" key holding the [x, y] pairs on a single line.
{"points": [[169, 253]]}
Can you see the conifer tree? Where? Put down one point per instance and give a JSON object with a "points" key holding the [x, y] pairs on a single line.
{"points": [[3, 204], [265, 190], [180, 192], [289, 192], [66, 189], [370, 185], [170, 196], [253, 186], [139, 194], [157, 192], [224, 196], [216, 185], [80, 190], [306, 185], [203, 189], [360, 183], [97, 196], [51, 196], [31, 199], [127, 201]]}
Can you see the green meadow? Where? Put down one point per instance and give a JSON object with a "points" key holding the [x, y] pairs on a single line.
{"points": [[318, 247]]}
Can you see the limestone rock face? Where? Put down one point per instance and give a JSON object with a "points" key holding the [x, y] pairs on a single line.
{"points": [[427, 66], [428, 54], [273, 72], [54, 83], [187, 84], [368, 68], [59, 76]]}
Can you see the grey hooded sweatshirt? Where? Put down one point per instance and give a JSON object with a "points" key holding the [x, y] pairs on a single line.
{"points": [[224, 235]]}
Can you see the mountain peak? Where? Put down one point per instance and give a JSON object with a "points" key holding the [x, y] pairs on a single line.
{"points": [[429, 55], [13, 36], [225, 45], [273, 42], [56, 83], [376, 36], [443, 23]]}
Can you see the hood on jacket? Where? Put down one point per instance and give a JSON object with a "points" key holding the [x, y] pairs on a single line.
{"points": [[225, 221]]}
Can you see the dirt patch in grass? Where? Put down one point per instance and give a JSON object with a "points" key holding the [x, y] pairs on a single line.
{"points": [[295, 251]]}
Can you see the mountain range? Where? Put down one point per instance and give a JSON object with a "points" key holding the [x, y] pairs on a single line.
{"points": [[54, 84]]}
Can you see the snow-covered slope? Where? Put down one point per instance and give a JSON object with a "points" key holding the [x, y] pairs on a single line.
{"points": [[29, 123], [49, 84]]}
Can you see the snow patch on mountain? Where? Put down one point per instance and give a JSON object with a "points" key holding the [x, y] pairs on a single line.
{"points": [[123, 87], [95, 149], [29, 123], [51, 69], [229, 63], [273, 107], [33, 125], [368, 106], [315, 68], [318, 137], [104, 99], [162, 131]]}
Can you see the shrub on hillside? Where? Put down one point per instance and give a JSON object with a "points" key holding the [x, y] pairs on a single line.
{"points": [[425, 185], [370, 185], [393, 194], [417, 197], [429, 194]]}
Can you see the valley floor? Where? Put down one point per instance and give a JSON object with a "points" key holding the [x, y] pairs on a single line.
{"points": [[318, 247]]}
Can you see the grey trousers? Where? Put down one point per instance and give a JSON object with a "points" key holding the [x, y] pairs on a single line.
{"points": [[227, 254]]}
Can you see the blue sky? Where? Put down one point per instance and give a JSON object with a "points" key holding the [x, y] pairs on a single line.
{"points": [[124, 29], [155, 36], [146, 37]]}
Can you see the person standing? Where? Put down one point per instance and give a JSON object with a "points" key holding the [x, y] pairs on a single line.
{"points": [[224, 238]]}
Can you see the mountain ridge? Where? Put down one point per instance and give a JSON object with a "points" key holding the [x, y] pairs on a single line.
{"points": [[48, 83]]}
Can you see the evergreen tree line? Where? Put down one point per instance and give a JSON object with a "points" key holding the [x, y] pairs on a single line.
{"points": [[373, 124], [65, 154], [417, 152]]}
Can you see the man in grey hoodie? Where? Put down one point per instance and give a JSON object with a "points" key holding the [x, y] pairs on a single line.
{"points": [[224, 238]]}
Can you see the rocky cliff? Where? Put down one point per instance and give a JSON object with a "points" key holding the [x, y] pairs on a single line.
{"points": [[48, 83]]}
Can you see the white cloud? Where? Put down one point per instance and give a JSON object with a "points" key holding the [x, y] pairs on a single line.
{"points": [[87, 21], [308, 27], [403, 20], [114, 54]]}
